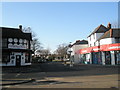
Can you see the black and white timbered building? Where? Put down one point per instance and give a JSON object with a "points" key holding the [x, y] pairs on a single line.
{"points": [[16, 47]]}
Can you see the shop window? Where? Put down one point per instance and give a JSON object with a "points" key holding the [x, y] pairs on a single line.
{"points": [[117, 57], [5, 57], [4, 42], [83, 58]]}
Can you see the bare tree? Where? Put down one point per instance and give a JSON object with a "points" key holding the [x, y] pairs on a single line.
{"points": [[29, 30], [36, 45], [61, 51]]}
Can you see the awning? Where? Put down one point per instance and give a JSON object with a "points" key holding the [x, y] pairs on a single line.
{"points": [[107, 47]]}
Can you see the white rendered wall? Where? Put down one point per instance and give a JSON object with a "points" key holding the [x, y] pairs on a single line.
{"points": [[98, 35], [76, 48], [112, 57], [107, 41], [93, 38], [97, 43], [103, 58]]}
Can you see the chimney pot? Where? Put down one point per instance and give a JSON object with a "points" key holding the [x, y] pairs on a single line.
{"points": [[109, 26], [20, 27]]}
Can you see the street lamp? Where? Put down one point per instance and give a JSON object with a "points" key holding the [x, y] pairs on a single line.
{"points": [[69, 52]]}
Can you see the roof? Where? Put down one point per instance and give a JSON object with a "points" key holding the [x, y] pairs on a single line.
{"points": [[15, 33], [99, 29], [78, 42], [115, 32]]}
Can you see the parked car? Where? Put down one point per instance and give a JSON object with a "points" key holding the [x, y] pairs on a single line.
{"points": [[42, 60]]}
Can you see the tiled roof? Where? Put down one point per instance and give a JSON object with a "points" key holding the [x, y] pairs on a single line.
{"points": [[78, 42], [115, 32], [99, 29], [14, 33], [111, 33]]}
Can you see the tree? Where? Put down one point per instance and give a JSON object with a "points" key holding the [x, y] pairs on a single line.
{"points": [[61, 51], [44, 52], [36, 45]]}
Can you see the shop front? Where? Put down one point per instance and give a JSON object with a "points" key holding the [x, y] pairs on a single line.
{"points": [[108, 54], [107, 58], [16, 57], [117, 57], [96, 58]]}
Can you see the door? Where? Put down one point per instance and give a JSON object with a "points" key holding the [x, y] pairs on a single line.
{"points": [[18, 60], [107, 57], [94, 58]]}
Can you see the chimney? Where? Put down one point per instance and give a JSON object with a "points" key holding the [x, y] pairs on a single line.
{"points": [[20, 27], [77, 41], [109, 26]]}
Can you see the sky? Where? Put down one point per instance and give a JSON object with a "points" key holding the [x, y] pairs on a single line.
{"points": [[56, 23]]}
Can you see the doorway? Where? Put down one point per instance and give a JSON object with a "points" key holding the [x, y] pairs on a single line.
{"points": [[18, 60], [107, 58]]}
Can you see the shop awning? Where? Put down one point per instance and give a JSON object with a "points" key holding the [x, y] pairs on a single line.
{"points": [[107, 47]]}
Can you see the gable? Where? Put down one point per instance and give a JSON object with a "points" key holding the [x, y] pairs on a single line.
{"points": [[99, 29]]}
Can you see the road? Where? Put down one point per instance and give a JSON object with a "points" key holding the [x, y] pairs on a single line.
{"points": [[56, 75]]}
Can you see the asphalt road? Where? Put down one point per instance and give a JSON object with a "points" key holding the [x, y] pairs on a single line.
{"points": [[57, 69], [55, 74]]}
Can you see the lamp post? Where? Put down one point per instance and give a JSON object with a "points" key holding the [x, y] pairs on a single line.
{"points": [[69, 52], [71, 62]]}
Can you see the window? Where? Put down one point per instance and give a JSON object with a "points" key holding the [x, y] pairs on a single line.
{"points": [[5, 57], [117, 40], [94, 44], [4, 42], [94, 36], [90, 38], [27, 58], [89, 45]]}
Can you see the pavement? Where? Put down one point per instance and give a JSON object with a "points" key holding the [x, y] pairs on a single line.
{"points": [[56, 72], [20, 75]]}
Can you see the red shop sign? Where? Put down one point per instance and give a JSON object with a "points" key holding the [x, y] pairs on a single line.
{"points": [[107, 47]]}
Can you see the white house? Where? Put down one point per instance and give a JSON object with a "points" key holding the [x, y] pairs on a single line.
{"points": [[104, 45], [79, 44], [112, 39], [96, 34]]}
